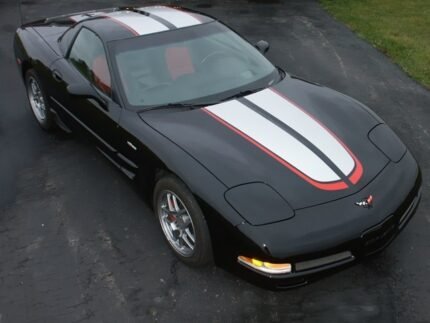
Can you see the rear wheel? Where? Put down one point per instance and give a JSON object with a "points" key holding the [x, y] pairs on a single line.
{"points": [[182, 221], [38, 101]]}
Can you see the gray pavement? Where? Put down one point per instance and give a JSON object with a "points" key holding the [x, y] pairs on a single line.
{"points": [[78, 244]]}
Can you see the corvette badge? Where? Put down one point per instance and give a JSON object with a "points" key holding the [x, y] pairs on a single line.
{"points": [[366, 202]]}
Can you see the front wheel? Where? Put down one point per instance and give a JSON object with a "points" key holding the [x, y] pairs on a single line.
{"points": [[38, 101], [182, 221]]}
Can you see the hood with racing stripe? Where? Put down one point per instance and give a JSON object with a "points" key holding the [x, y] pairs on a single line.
{"points": [[307, 142]]}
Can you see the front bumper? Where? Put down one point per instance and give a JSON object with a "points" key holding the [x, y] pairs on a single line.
{"points": [[371, 241], [317, 247]]}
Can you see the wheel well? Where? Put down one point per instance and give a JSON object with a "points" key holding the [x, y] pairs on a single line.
{"points": [[148, 178], [25, 66], [147, 184]]}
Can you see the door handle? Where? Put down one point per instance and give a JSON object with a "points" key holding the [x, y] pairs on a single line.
{"points": [[57, 76]]}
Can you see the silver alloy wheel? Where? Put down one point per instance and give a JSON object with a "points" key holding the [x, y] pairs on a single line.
{"points": [[176, 223], [36, 99]]}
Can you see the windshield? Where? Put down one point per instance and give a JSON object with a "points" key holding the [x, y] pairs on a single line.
{"points": [[193, 65]]}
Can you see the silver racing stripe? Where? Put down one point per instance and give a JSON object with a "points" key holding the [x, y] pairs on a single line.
{"points": [[141, 24], [304, 124], [137, 22], [176, 17], [274, 139], [80, 17]]}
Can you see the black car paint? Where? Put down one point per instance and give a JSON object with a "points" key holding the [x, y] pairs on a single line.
{"points": [[317, 227], [235, 161]]}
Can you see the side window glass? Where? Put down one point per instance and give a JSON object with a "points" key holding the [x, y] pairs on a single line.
{"points": [[89, 57], [67, 38]]}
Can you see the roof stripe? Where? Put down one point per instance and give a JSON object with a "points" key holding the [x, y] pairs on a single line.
{"points": [[176, 17], [138, 23], [162, 21], [80, 17]]}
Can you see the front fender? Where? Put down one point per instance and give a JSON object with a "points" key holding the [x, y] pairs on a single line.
{"points": [[197, 178]]}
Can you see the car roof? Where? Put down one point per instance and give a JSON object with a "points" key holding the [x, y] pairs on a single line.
{"points": [[121, 23]]}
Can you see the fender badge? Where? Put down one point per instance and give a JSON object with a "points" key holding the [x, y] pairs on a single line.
{"points": [[366, 202]]}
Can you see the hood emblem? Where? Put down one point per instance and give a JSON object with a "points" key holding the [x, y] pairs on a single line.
{"points": [[366, 202]]}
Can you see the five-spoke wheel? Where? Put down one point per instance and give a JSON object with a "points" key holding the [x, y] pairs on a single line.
{"points": [[176, 223], [182, 221], [37, 100]]}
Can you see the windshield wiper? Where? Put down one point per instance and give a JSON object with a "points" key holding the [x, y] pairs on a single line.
{"points": [[175, 105], [242, 94], [201, 104]]}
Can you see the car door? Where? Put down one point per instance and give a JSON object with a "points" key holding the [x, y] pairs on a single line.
{"points": [[86, 64]]}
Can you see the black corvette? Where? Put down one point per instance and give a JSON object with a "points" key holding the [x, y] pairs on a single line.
{"points": [[271, 176]]}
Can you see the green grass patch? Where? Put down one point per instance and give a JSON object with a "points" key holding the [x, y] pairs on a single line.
{"points": [[399, 28]]}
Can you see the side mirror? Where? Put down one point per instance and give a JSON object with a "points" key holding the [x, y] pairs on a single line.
{"points": [[85, 90], [262, 46]]}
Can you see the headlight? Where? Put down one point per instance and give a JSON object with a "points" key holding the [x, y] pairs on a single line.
{"points": [[263, 266], [387, 141], [256, 203]]}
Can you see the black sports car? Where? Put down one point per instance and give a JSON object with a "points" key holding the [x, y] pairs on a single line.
{"points": [[272, 176]]}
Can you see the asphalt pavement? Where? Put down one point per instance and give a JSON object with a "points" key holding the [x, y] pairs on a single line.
{"points": [[78, 244]]}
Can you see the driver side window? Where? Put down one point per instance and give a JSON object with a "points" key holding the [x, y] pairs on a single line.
{"points": [[89, 58]]}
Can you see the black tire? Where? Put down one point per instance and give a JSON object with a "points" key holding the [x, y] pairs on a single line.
{"points": [[46, 121], [202, 253]]}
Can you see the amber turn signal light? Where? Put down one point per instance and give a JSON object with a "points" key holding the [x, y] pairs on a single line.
{"points": [[264, 266]]}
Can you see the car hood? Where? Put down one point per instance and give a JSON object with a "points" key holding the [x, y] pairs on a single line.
{"points": [[309, 143]]}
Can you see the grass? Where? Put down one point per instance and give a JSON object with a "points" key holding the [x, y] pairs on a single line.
{"points": [[399, 28]]}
